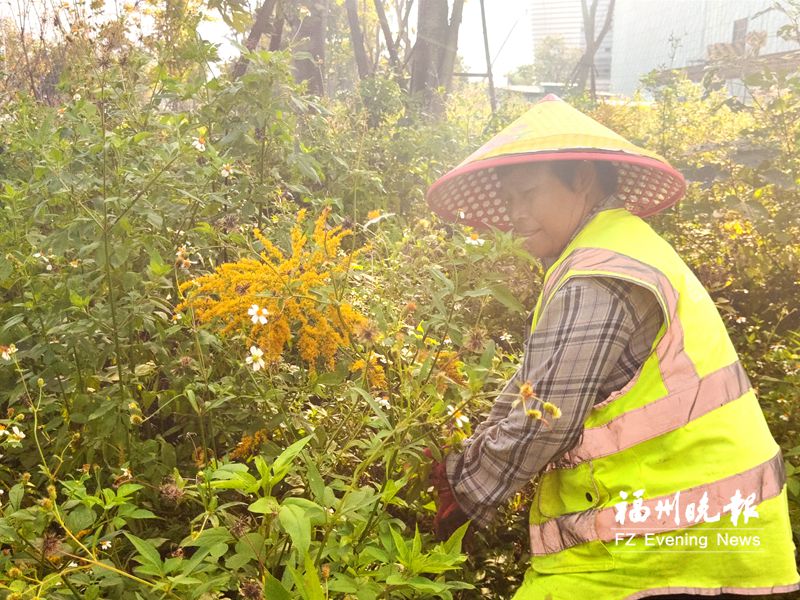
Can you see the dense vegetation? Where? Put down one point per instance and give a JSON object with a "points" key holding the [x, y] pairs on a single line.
{"points": [[230, 325]]}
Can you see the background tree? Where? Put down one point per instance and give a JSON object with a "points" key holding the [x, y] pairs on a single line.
{"points": [[553, 62], [585, 71], [432, 63]]}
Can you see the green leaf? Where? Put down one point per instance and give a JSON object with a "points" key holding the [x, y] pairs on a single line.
{"points": [[294, 522], [77, 300], [148, 554], [15, 496], [308, 584], [80, 518], [273, 588], [503, 294], [313, 511], [313, 587], [453, 544], [126, 489], [400, 546], [315, 482], [234, 476], [265, 506], [282, 464], [209, 537]]}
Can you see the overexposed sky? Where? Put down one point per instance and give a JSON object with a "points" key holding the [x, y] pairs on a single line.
{"points": [[508, 23], [506, 20]]}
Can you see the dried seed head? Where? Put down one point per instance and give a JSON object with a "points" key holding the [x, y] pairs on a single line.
{"points": [[474, 340], [170, 493], [240, 527], [251, 590]]}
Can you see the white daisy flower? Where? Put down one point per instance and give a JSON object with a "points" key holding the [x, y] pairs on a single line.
{"points": [[506, 337], [475, 241], [226, 170], [258, 314], [292, 368], [255, 358], [459, 418], [105, 545], [76, 98], [17, 433], [199, 144]]}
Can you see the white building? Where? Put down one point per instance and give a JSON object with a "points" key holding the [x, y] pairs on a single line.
{"points": [[672, 34], [564, 18]]}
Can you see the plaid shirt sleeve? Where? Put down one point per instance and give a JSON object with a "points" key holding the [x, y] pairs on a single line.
{"points": [[582, 336]]}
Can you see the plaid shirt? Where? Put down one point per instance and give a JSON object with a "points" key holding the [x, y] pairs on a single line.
{"points": [[591, 339]]}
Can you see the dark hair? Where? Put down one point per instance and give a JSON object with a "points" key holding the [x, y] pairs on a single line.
{"points": [[565, 170]]}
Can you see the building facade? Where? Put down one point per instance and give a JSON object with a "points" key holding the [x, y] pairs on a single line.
{"points": [[564, 18], [680, 34]]}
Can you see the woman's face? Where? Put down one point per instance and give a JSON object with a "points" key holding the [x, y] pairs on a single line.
{"points": [[543, 210]]}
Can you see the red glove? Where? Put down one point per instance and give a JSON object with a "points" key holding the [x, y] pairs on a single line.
{"points": [[449, 515]]}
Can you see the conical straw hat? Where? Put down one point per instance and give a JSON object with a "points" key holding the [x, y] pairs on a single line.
{"points": [[551, 130]]}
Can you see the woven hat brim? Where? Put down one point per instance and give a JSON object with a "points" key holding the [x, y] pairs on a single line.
{"points": [[470, 194]]}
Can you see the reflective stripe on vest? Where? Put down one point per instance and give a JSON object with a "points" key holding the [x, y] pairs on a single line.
{"points": [[765, 481]]}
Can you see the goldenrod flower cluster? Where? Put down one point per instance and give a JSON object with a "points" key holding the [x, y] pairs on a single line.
{"points": [[249, 445], [295, 289], [376, 376]]}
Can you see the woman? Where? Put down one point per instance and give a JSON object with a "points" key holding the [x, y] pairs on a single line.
{"points": [[659, 475]]}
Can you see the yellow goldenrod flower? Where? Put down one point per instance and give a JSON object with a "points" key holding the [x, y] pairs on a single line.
{"points": [[303, 314], [373, 214], [533, 413], [376, 377]]}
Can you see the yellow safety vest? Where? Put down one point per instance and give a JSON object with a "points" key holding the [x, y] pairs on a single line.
{"points": [[676, 484]]}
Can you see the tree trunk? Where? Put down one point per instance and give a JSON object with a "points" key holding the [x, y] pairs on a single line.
{"points": [[451, 47], [387, 34], [276, 36], [312, 33], [260, 26], [585, 70], [357, 39], [431, 29]]}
